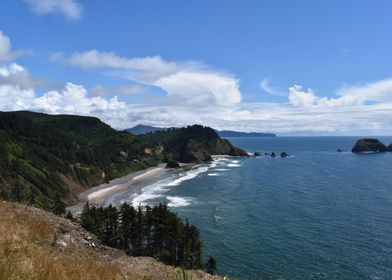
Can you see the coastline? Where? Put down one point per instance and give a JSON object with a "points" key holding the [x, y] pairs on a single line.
{"points": [[98, 195], [101, 194]]}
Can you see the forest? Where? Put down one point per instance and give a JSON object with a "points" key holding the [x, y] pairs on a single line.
{"points": [[47, 160], [151, 231]]}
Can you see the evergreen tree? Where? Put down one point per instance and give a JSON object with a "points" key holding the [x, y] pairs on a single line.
{"points": [[211, 265]]}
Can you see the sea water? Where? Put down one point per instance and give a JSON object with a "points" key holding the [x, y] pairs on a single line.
{"points": [[317, 214]]}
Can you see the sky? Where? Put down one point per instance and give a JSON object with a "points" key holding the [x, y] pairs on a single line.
{"points": [[300, 67]]}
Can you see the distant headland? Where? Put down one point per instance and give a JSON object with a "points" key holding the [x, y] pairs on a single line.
{"points": [[143, 129]]}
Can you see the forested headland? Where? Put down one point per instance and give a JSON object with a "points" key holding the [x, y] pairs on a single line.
{"points": [[47, 160]]}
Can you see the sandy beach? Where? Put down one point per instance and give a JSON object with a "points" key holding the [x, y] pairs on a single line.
{"points": [[100, 194]]}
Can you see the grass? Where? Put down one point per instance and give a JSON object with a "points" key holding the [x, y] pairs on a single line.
{"points": [[26, 252]]}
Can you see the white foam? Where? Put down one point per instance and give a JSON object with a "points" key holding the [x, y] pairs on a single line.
{"points": [[233, 165], [176, 201], [150, 192], [213, 174], [221, 169], [157, 189], [191, 174]]}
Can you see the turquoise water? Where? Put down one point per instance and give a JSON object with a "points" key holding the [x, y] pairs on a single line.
{"points": [[317, 215]]}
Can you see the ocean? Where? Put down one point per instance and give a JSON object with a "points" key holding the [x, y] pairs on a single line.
{"points": [[317, 214]]}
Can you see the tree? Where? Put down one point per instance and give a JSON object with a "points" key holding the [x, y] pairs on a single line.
{"points": [[211, 265]]}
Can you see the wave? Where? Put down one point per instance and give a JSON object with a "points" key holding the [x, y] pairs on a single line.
{"points": [[185, 176], [157, 189], [233, 165], [221, 169], [213, 174], [176, 201]]}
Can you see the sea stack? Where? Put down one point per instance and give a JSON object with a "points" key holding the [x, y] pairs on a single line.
{"points": [[369, 146]]}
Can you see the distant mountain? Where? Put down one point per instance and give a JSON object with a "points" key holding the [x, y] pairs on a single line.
{"points": [[143, 129], [229, 133]]}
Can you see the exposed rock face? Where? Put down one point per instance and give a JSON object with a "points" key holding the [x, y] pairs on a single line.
{"points": [[369, 146], [273, 154], [256, 154]]}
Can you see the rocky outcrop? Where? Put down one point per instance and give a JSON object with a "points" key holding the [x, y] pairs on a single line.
{"points": [[369, 146], [284, 154], [172, 164]]}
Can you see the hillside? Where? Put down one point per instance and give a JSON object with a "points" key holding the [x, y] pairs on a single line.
{"points": [[35, 244], [191, 144], [46, 160]]}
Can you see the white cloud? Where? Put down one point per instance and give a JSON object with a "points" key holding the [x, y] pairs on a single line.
{"points": [[300, 97], [188, 83], [6, 52], [15, 75], [267, 87], [196, 93], [380, 91], [70, 9], [128, 90], [147, 69], [198, 88], [74, 99]]}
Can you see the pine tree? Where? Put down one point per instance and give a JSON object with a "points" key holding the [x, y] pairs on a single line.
{"points": [[211, 265]]}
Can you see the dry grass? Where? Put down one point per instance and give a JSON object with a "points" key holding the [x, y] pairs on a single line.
{"points": [[29, 250], [26, 252]]}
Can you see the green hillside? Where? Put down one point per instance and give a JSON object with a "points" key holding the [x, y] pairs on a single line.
{"points": [[46, 160]]}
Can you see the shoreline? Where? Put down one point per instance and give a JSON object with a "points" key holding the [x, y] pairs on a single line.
{"points": [[98, 195], [101, 194]]}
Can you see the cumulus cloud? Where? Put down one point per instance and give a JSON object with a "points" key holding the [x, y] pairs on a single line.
{"points": [[70, 9], [74, 99], [300, 97], [375, 92], [196, 93], [189, 83]]}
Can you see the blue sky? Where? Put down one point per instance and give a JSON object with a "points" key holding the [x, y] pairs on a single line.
{"points": [[290, 67]]}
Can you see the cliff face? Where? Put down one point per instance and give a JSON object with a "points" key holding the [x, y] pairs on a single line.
{"points": [[35, 244]]}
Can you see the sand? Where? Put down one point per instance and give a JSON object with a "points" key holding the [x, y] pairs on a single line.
{"points": [[100, 194]]}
